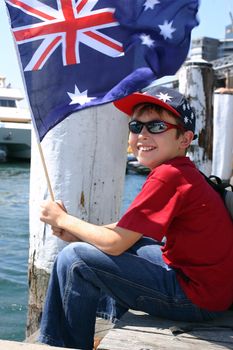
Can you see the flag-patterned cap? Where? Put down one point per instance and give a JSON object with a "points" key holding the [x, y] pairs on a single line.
{"points": [[167, 98]]}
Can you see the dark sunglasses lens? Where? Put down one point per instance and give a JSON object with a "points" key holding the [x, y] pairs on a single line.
{"points": [[155, 127], [135, 127]]}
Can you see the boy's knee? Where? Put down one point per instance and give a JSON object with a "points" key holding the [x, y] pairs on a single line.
{"points": [[65, 258], [74, 251], [80, 253], [85, 251]]}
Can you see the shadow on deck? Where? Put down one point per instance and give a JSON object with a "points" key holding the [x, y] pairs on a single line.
{"points": [[139, 331]]}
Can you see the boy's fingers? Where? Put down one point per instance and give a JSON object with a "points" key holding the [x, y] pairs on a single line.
{"points": [[61, 205], [56, 231]]}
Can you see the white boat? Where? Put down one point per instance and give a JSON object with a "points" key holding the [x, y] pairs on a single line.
{"points": [[15, 124]]}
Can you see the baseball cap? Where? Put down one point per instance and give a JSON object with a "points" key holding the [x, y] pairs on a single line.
{"points": [[167, 98]]}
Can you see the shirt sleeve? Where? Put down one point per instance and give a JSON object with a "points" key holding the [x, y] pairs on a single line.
{"points": [[153, 209]]}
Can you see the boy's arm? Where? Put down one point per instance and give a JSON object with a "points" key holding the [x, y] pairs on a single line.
{"points": [[111, 226], [111, 239]]}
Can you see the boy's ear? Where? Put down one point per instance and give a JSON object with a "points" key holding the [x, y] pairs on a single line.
{"points": [[186, 139]]}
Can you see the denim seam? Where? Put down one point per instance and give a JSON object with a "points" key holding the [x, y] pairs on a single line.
{"points": [[154, 293], [69, 280], [146, 289], [68, 284], [170, 302]]}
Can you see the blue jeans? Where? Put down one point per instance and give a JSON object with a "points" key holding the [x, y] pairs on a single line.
{"points": [[85, 283]]}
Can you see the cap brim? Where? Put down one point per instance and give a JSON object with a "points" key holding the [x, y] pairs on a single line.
{"points": [[128, 103]]}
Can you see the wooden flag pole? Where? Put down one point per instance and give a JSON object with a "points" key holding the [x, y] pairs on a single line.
{"points": [[45, 171], [34, 124], [35, 129]]}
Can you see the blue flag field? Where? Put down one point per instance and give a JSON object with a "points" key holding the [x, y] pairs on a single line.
{"points": [[80, 53]]}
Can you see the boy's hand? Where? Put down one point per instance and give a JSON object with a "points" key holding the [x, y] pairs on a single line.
{"points": [[53, 213], [64, 235]]}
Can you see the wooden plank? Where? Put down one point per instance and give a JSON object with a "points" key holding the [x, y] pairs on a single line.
{"points": [[13, 345], [139, 331], [119, 339], [139, 320]]}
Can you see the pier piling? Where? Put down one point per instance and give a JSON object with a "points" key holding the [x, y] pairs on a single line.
{"points": [[86, 160]]}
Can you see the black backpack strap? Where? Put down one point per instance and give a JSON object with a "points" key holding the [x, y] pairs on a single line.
{"points": [[229, 202], [225, 189], [217, 184]]}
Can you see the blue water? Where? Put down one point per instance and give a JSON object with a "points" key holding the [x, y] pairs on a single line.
{"points": [[14, 190], [14, 236]]}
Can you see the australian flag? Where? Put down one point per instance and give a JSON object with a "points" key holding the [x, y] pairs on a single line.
{"points": [[80, 53]]}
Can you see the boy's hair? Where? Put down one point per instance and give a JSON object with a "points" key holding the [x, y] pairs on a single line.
{"points": [[144, 107]]}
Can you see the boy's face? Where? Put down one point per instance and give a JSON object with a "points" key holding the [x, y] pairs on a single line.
{"points": [[152, 150]]}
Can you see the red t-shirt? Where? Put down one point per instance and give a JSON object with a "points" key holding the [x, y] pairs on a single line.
{"points": [[178, 203]]}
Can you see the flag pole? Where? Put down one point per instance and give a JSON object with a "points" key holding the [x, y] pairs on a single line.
{"points": [[45, 171], [32, 117]]}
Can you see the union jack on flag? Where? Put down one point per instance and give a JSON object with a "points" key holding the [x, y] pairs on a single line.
{"points": [[69, 25], [80, 53]]}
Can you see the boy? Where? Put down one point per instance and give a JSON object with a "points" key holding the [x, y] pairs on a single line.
{"points": [[171, 254]]}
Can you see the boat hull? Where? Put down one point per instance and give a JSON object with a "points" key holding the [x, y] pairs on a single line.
{"points": [[16, 139]]}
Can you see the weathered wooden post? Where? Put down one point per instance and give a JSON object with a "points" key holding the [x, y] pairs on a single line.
{"points": [[196, 80], [86, 159], [223, 133]]}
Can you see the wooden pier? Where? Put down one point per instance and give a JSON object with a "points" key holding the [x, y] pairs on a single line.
{"points": [[139, 331]]}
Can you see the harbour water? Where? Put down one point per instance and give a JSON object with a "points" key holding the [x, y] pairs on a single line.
{"points": [[14, 235], [14, 192]]}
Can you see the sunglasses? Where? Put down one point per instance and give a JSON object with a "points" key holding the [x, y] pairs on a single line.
{"points": [[153, 127]]}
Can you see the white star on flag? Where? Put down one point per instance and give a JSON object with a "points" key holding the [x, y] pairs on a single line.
{"points": [[146, 40], [166, 29], [150, 4], [186, 120], [79, 97], [164, 97]]}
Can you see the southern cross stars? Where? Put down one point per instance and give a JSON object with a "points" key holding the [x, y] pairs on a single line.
{"points": [[79, 97], [166, 29], [150, 4], [146, 40]]}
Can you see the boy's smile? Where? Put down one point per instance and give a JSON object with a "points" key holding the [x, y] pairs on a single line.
{"points": [[152, 150]]}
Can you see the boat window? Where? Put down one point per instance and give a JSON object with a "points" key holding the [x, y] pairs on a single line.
{"points": [[7, 103]]}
